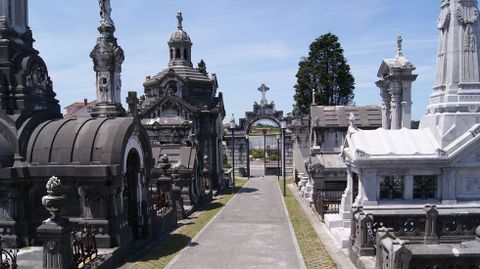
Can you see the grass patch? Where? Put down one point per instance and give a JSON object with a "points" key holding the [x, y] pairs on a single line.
{"points": [[161, 255], [314, 253]]}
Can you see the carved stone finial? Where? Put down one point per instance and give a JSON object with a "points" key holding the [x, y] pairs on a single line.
{"points": [[54, 200], [180, 20], [399, 46], [54, 185]]}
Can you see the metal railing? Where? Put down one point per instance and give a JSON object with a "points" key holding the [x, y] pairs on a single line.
{"points": [[84, 247], [8, 258], [327, 201]]}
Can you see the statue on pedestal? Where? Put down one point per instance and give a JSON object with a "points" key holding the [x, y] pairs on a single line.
{"points": [[105, 13]]}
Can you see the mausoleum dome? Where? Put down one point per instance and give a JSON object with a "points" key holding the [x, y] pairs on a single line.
{"points": [[180, 46], [180, 36]]}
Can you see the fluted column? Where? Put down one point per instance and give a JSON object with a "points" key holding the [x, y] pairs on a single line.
{"points": [[386, 107], [395, 104]]}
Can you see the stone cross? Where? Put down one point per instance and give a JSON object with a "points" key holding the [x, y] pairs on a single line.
{"points": [[132, 102], [263, 89], [105, 13], [180, 20], [399, 46]]}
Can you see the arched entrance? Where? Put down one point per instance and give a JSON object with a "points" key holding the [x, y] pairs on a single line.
{"points": [[241, 140], [263, 147], [130, 193]]}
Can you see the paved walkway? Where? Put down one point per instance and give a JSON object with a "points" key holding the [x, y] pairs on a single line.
{"points": [[252, 231]]}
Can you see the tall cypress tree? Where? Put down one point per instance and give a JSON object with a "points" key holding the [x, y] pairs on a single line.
{"points": [[325, 71], [202, 67]]}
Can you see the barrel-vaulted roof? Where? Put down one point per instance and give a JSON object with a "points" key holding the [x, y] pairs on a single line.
{"points": [[87, 141]]}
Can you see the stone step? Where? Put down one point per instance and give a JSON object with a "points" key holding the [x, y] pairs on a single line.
{"points": [[341, 236]]}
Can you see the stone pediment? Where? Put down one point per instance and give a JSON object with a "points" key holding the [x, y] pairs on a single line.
{"points": [[170, 101]]}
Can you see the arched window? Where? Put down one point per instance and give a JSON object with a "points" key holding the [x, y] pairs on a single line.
{"points": [[177, 53], [185, 54]]}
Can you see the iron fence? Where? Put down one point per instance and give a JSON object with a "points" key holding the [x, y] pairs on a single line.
{"points": [[84, 247], [327, 201]]}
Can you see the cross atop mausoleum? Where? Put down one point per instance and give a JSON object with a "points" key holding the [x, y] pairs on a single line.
{"points": [[263, 89]]}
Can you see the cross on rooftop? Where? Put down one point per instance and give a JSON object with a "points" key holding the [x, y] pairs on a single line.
{"points": [[263, 89]]}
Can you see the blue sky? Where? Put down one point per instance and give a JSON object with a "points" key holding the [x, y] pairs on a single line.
{"points": [[245, 42]]}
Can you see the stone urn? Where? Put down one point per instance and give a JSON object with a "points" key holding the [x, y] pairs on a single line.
{"points": [[54, 201]]}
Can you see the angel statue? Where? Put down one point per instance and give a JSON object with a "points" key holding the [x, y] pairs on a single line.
{"points": [[105, 13]]}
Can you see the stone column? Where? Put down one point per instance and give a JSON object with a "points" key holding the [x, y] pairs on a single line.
{"points": [[347, 198], [396, 91], [368, 188], [55, 232], [448, 180], [386, 99], [406, 104], [408, 187]]}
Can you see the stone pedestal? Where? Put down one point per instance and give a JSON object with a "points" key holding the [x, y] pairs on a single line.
{"points": [[57, 244]]}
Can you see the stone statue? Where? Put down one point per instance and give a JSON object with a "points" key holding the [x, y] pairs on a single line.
{"points": [[399, 46], [180, 20], [105, 13]]}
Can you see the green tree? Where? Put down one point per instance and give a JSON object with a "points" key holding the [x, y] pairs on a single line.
{"points": [[202, 67], [325, 71]]}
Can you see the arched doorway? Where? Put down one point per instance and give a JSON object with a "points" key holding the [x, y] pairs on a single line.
{"points": [[263, 148], [130, 193]]}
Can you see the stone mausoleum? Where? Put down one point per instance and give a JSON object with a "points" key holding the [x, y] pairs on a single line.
{"points": [[183, 107], [418, 198], [327, 178], [104, 161]]}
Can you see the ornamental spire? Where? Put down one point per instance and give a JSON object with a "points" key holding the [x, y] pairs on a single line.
{"points": [[107, 58]]}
